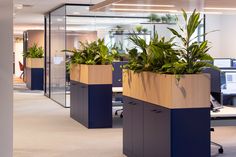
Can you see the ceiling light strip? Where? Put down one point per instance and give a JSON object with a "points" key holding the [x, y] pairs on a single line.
{"points": [[140, 10], [142, 5], [226, 9]]}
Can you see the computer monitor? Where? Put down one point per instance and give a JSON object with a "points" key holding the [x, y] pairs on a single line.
{"points": [[228, 81], [223, 62], [234, 63]]}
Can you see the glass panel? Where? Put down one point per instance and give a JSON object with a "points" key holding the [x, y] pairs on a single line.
{"points": [[58, 68], [47, 73]]}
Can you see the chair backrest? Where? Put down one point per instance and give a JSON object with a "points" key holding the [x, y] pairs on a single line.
{"points": [[21, 66]]}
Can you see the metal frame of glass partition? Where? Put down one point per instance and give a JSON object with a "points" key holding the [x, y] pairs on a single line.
{"points": [[54, 87]]}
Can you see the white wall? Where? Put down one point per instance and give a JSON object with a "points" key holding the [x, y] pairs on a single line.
{"points": [[223, 41], [6, 94]]}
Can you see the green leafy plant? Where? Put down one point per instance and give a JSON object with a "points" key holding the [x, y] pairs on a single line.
{"points": [[119, 29], [145, 30], [139, 28], [164, 19], [154, 18], [193, 55], [94, 53], [34, 52], [171, 18], [153, 56], [165, 56]]}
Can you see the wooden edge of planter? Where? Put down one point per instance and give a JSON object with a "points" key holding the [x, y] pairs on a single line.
{"points": [[91, 74], [35, 62], [192, 91]]}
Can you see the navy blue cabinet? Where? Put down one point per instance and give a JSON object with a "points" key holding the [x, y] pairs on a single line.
{"points": [[91, 105], [154, 131], [34, 78], [133, 124]]}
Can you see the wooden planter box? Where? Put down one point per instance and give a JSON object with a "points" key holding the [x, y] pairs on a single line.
{"points": [[34, 73], [164, 116], [91, 95], [192, 91]]}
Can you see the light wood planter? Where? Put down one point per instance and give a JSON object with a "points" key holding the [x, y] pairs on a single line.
{"points": [[35, 62], [91, 95], [91, 74], [191, 91], [34, 73], [166, 117]]}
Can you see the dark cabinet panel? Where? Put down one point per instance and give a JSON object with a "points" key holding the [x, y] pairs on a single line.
{"points": [[100, 106], [127, 127], [156, 131], [133, 128], [137, 132], [34, 78], [91, 105]]}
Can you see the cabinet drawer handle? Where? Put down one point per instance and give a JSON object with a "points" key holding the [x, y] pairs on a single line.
{"points": [[132, 103], [156, 111], [83, 87]]}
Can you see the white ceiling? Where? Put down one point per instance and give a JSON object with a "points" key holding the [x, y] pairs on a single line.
{"points": [[32, 17]]}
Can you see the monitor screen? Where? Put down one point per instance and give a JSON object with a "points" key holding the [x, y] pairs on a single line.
{"points": [[228, 81], [223, 63]]}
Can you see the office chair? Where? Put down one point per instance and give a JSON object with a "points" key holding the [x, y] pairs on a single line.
{"points": [[215, 107], [21, 69], [215, 97], [117, 82], [119, 99]]}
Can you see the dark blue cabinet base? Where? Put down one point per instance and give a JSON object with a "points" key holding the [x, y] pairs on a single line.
{"points": [[154, 131], [34, 78], [91, 105]]}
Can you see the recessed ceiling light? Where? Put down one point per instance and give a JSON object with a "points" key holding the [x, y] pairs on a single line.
{"points": [[227, 9], [143, 5], [144, 10]]}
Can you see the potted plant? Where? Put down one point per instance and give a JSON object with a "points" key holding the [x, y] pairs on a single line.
{"points": [[91, 85], [139, 29], [34, 67], [163, 80], [119, 29], [154, 18], [145, 30]]}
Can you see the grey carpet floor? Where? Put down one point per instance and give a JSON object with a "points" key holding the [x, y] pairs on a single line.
{"points": [[43, 128]]}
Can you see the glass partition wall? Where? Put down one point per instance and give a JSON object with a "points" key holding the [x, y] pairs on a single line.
{"points": [[71, 24]]}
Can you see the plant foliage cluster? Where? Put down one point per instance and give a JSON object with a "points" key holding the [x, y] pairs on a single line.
{"points": [[168, 18], [166, 56], [94, 53], [34, 52]]}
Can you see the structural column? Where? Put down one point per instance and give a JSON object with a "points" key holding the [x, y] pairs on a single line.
{"points": [[6, 71]]}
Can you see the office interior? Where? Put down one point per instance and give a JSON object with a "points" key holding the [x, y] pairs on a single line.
{"points": [[66, 25]]}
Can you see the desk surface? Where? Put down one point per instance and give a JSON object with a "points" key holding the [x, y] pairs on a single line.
{"points": [[117, 89], [226, 111]]}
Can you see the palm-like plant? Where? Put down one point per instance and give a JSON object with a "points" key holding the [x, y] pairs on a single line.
{"points": [[164, 56], [153, 56], [192, 54]]}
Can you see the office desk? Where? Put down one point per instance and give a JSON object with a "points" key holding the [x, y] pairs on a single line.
{"points": [[117, 89], [225, 112]]}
